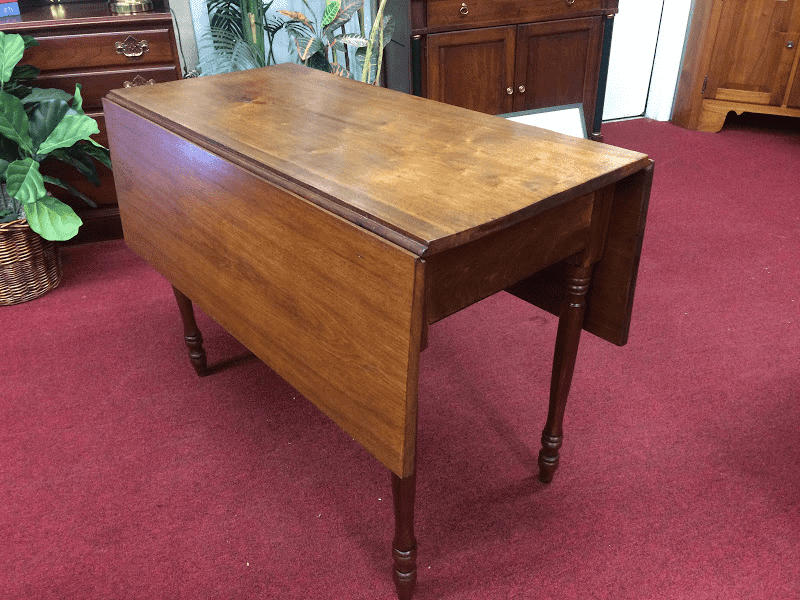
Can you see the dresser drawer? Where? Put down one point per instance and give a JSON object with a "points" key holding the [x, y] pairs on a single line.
{"points": [[95, 85], [465, 13], [102, 49]]}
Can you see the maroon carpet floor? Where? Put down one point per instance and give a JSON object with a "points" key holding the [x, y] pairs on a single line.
{"points": [[124, 476]]}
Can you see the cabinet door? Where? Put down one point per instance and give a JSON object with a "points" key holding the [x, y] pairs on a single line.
{"points": [[558, 63], [752, 56], [793, 100], [473, 69]]}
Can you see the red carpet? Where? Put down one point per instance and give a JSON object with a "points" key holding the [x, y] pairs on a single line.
{"points": [[124, 476]]}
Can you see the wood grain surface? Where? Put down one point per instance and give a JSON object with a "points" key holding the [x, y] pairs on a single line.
{"points": [[334, 309], [425, 175]]}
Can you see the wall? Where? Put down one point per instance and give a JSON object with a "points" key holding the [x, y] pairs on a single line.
{"points": [[185, 27], [669, 55]]}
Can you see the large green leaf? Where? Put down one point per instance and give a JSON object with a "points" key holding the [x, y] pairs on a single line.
{"points": [[71, 129], [24, 181], [349, 39], [14, 121], [11, 48], [25, 72], [308, 48], [52, 219], [330, 12], [346, 11], [45, 118], [30, 41], [96, 151], [77, 100], [39, 95]]}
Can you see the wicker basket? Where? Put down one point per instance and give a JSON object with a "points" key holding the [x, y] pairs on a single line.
{"points": [[30, 266]]}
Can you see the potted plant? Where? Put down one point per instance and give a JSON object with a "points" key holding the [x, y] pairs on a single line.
{"points": [[241, 36], [37, 124], [318, 47]]}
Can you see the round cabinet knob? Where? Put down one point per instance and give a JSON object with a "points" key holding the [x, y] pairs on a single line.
{"points": [[509, 91], [463, 10], [522, 89], [570, 2], [790, 44]]}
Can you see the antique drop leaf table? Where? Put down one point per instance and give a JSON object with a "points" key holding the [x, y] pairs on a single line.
{"points": [[326, 223]]}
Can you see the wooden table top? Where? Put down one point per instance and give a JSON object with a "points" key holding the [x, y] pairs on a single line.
{"points": [[379, 158]]}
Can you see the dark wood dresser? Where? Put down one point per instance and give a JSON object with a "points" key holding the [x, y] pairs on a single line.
{"points": [[502, 56], [86, 43]]}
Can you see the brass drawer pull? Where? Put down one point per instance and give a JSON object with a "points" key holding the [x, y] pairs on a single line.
{"points": [[131, 47], [137, 81], [463, 10], [570, 2], [522, 89], [509, 90]]}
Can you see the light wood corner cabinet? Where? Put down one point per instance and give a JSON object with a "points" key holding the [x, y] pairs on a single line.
{"points": [[84, 42], [741, 56], [502, 56]]}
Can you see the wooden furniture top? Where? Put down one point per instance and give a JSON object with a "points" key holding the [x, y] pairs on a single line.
{"points": [[76, 14], [379, 158]]}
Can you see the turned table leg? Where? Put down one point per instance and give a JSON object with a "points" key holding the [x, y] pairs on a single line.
{"points": [[404, 547], [191, 334], [570, 322]]}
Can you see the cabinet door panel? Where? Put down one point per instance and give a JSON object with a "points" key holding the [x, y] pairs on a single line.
{"points": [[793, 100], [557, 63], [473, 68], [751, 61]]}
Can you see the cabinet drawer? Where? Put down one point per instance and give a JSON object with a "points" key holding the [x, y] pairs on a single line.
{"points": [[104, 49], [460, 13], [95, 85]]}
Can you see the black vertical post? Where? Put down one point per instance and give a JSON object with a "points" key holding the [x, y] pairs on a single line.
{"points": [[608, 28], [416, 65]]}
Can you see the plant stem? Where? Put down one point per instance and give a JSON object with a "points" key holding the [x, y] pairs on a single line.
{"points": [[377, 21]]}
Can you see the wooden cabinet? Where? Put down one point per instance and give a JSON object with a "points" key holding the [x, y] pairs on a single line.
{"points": [[741, 56], [86, 43], [505, 56], [473, 68]]}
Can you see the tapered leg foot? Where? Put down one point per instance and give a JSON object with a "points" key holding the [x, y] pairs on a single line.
{"points": [[570, 322], [548, 457], [191, 334], [404, 548]]}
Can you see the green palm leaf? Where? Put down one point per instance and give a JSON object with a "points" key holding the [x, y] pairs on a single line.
{"points": [[224, 52], [226, 15]]}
